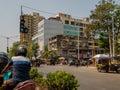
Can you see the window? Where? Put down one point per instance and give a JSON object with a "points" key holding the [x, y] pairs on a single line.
{"points": [[77, 24], [66, 22], [80, 24], [81, 34], [89, 43], [72, 23], [81, 29], [96, 44]]}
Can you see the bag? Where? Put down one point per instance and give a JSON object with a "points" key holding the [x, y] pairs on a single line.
{"points": [[7, 75]]}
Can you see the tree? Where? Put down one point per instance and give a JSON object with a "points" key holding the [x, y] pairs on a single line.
{"points": [[104, 41], [32, 50], [48, 54], [13, 50], [102, 19]]}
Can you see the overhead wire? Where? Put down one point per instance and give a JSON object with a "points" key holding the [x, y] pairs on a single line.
{"points": [[45, 11]]}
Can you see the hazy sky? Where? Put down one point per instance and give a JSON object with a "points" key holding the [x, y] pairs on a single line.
{"points": [[10, 11]]}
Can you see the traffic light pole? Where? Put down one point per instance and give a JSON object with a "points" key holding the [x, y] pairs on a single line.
{"points": [[23, 27], [21, 10]]}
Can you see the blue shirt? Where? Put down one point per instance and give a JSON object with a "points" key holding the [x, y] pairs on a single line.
{"points": [[21, 68]]}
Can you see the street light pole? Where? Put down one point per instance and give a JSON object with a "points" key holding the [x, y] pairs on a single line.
{"points": [[113, 36], [7, 44], [7, 39], [78, 45]]}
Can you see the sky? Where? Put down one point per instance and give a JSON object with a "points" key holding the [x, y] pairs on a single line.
{"points": [[10, 11]]}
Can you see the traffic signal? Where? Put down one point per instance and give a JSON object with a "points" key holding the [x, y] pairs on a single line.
{"points": [[23, 28]]}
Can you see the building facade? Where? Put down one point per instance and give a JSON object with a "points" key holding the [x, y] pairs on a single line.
{"points": [[47, 29], [61, 34], [70, 21], [31, 22], [68, 46], [60, 24]]}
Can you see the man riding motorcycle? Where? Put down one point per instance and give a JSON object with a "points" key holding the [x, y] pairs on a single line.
{"points": [[20, 69]]}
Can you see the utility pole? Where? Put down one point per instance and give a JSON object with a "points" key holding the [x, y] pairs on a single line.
{"points": [[78, 45], [7, 39], [7, 44], [113, 36]]}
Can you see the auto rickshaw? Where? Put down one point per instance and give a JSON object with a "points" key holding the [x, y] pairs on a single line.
{"points": [[107, 65]]}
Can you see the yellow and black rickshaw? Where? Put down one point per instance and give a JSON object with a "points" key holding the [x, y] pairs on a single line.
{"points": [[108, 64]]}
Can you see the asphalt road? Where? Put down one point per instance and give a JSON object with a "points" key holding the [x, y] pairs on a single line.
{"points": [[89, 78]]}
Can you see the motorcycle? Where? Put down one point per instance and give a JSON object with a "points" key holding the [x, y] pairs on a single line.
{"points": [[26, 85]]}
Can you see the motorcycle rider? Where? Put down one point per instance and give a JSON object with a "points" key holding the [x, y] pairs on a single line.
{"points": [[20, 68]]}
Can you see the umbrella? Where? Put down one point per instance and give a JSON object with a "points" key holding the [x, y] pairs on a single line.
{"points": [[101, 56]]}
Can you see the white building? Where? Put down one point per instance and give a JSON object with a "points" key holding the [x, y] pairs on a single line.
{"points": [[61, 24], [46, 30], [50, 28]]}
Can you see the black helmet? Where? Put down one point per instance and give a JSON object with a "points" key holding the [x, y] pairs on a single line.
{"points": [[3, 60], [22, 50]]}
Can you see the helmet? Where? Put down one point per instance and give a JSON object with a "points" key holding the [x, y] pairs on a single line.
{"points": [[3, 60], [22, 50]]}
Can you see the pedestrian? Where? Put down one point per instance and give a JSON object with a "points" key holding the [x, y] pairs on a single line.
{"points": [[87, 63], [20, 68], [76, 63]]}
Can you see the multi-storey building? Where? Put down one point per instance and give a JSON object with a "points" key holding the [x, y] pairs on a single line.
{"points": [[31, 22], [47, 29], [68, 46], [69, 20], [64, 24]]}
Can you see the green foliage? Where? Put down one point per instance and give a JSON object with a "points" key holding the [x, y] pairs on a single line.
{"points": [[13, 50], [48, 54], [32, 49], [41, 82], [61, 80], [103, 18], [104, 41], [38, 78], [34, 73]]}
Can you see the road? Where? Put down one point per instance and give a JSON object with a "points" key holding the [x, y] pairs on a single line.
{"points": [[89, 78]]}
